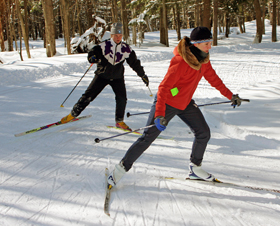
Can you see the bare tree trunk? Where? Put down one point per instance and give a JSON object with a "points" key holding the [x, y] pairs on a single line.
{"points": [[89, 13], [114, 11], [66, 26], [164, 27], [20, 44], [227, 24], [9, 33], [269, 11], [259, 20], [206, 14], [278, 14], [197, 14], [178, 22], [2, 45], [134, 29], [274, 35], [215, 22], [49, 27], [13, 33], [25, 36], [124, 21], [263, 14], [240, 18]]}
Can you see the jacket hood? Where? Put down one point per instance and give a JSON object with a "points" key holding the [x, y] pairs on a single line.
{"points": [[183, 49]]}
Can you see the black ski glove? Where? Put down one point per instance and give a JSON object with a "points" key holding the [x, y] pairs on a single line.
{"points": [[145, 79], [92, 59], [235, 100]]}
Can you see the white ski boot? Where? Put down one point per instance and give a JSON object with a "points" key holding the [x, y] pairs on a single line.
{"points": [[197, 173], [115, 176]]}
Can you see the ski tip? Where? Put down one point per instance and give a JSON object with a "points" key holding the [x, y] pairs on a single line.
{"points": [[216, 180], [61, 106]]}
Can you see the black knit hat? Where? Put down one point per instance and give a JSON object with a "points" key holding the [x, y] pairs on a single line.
{"points": [[200, 34]]}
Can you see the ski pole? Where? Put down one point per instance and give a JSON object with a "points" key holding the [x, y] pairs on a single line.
{"points": [[150, 92], [97, 140], [76, 85], [201, 105], [128, 114]]}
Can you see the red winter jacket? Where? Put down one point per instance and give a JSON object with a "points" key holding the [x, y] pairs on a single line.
{"points": [[185, 72]]}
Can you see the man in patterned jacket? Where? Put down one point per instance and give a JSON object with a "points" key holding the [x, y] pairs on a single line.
{"points": [[110, 56]]}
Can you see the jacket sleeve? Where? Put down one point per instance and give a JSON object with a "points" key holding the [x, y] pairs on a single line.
{"points": [[135, 64], [214, 80]]}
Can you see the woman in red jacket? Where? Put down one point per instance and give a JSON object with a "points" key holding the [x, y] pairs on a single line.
{"points": [[174, 97]]}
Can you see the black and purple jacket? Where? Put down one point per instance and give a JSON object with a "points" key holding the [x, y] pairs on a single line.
{"points": [[111, 57]]}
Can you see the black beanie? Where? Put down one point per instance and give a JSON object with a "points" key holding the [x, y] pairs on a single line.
{"points": [[200, 34]]}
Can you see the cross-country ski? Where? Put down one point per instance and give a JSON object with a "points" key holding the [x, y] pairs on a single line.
{"points": [[50, 125], [231, 184]]}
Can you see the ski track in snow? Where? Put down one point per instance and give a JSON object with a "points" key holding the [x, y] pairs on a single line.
{"points": [[56, 176]]}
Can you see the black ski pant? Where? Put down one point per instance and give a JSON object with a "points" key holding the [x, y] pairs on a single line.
{"points": [[191, 116], [95, 87]]}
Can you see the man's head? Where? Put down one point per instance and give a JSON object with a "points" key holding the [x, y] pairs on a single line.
{"points": [[117, 32], [201, 37]]}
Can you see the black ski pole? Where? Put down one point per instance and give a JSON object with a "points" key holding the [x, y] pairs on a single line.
{"points": [[128, 114], [97, 140], [76, 85], [201, 105]]}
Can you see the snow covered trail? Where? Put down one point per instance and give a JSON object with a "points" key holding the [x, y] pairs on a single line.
{"points": [[56, 176]]}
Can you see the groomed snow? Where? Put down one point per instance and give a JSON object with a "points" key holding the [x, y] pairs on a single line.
{"points": [[56, 176]]}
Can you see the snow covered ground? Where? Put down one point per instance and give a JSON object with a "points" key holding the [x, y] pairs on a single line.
{"points": [[56, 176]]}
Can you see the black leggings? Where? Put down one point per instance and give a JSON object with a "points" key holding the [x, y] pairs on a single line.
{"points": [[192, 116], [95, 87]]}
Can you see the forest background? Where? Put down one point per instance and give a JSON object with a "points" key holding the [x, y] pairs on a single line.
{"points": [[52, 19]]}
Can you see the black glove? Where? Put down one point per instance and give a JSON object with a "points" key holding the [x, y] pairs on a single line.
{"points": [[145, 79], [235, 100], [92, 59]]}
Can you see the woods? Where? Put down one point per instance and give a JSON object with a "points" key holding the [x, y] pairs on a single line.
{"points": [[52, 19]]}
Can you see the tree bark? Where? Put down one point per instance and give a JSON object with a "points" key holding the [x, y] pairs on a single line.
{"points": [[274, 35], [124, 20], [114, 11], [215, 22], [178, 22], [206, 14], [25, 36], [163, 25], [49, 27], [197, 14], [66, 25], [2, 45], [259, 20]]}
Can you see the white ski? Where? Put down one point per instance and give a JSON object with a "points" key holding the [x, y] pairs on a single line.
{"points": [[108, 193]]}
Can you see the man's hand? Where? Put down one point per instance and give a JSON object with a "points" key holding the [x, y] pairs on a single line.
{"points": [[145, 79], [160, 123], [235, 100], [92, 59]]}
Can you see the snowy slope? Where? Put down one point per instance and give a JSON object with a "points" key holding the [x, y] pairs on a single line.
{"points": [[56, 176]]}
